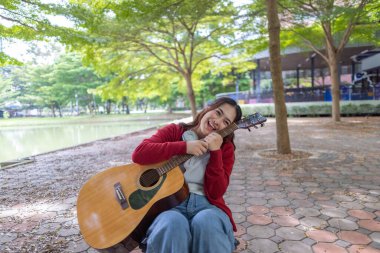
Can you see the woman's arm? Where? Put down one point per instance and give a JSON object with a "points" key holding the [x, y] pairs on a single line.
{"points": [[218, 171], [164, 144]]}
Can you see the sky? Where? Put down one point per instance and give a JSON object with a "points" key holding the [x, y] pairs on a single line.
{"points": [[19, 49]]}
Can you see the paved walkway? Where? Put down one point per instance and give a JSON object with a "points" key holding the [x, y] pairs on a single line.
{"points": [[327, 202]]}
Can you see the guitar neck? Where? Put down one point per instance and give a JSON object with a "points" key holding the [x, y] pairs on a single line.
{"points": [[177, 160]]}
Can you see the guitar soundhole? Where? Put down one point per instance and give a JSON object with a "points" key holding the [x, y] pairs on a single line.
{"points": [[149, 178]]}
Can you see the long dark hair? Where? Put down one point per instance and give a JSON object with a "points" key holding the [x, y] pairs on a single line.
{"points": [[218, 102]]}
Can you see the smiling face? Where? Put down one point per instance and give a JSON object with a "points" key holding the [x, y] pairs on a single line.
{"points": [[216, 119]]}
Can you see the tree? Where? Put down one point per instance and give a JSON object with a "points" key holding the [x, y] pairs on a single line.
{"points": [[326, 27], [137, 38], [283, 143], [29, 20]]}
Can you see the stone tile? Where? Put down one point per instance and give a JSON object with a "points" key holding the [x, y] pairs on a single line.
{"points": [[287, 221], [295, 247], [297, 195], [255, 194], [375, 245], [290, 233], [342, 197], [309, 241], [245, 224], [375, 237], [302, 203], [368, 198], [371, 225], [361, 214], [323, 247], [362, 249], [236, 208], [364, 231], [313, 222], [351, 205], [306, 211], [343, 224], [277, 239], [256, 201], [354, 237], [272, 182], [322, 236], [260, 231], [234, 200], [259, 219], [319, 196], [281, 210], [294, 189], [263, 246], [342, 243], [239, 218], [335, 213], [278, 202], [273, 225], [327, 203], [374, 206], [258, 209]]}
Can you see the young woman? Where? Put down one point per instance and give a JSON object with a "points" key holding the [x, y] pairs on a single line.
{"points": [[202, 223]]}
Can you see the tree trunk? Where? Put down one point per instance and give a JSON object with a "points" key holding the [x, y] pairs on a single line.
{"points": [[53, 110], [108, 106], [190, 94], [335, 82], [283, 143]]}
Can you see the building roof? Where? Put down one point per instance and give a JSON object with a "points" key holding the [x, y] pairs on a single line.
{"points": [[365, 54], [293, 58]]}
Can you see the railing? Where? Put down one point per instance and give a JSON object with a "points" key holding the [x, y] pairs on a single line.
{"points": [[308, 94]]}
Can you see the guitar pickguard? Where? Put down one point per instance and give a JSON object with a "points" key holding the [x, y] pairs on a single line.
{"points": [[140, 198]]}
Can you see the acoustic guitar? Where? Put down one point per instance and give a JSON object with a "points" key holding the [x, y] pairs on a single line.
{"points": [[119, 204]]}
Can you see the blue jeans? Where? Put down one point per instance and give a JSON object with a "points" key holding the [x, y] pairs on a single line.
{"points": [[193, 226]]}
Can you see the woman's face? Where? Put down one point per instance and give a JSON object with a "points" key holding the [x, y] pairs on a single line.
{"points": [[216, 119]]}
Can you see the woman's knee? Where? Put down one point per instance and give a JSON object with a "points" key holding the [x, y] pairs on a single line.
{"points": [[212, 220], [169, 222]]}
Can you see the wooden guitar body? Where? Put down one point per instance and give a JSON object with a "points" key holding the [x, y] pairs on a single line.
{"points": [[114, 205]]}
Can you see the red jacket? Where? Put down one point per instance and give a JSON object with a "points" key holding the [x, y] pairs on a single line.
{"points": [[167, 142]]}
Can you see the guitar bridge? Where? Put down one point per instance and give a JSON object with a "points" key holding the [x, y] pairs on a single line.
{"points": [[120, 196]]}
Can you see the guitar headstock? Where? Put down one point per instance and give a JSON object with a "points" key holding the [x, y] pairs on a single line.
{"points": [[251, 120]]}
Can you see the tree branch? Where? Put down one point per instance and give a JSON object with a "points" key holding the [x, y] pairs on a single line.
{"points": [[17, 21]]}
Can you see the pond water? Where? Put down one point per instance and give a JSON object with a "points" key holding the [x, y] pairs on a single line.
{"points": [[24, 141]]}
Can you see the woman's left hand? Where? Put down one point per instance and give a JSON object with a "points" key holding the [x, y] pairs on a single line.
{"points": [[214, 141]]}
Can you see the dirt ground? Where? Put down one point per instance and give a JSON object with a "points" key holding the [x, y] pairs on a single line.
{"points": [[37, 200]]}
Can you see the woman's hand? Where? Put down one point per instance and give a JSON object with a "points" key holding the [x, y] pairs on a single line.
{"points": [[214, 141], [197, 148]]}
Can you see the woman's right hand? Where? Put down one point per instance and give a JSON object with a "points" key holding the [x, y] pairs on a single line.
{"points": [[197, 148]]}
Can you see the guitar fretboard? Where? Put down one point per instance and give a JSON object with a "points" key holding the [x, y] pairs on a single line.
{"points": [[177, 160]]}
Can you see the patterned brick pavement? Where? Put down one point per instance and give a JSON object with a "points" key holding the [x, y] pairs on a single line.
{"points": [[327, 202]]}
